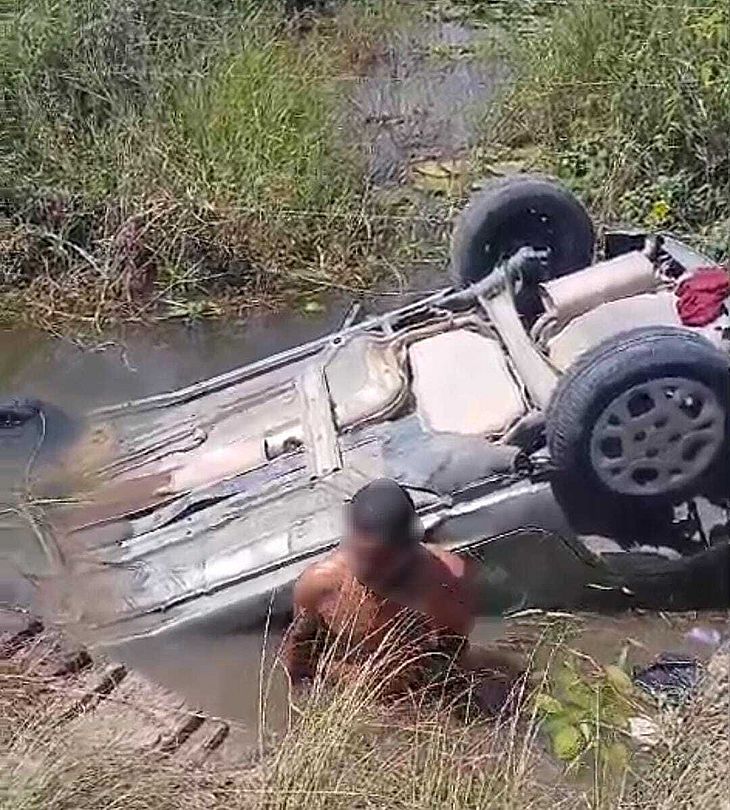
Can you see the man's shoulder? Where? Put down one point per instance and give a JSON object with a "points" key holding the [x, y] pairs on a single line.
{"points": [[459, 566], [319, 580], [452, 589]]}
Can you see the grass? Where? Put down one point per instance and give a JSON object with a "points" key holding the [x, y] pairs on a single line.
{"points": [[179, 156], [690, 771], [629, 102], [188, 158], [92, 762], [345, 749]]}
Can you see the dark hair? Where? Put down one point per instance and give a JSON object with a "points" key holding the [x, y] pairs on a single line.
{"points": [[384, 510]]}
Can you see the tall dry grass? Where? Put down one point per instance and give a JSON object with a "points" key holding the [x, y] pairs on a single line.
{"points": [[691, 770], [346, 748]]}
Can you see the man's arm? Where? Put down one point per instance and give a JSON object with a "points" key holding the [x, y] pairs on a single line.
{"points": [[301, 648], [304, 639]]}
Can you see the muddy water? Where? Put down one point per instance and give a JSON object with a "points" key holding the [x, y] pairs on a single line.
{"points": [[235, 676], [413, 104], [423, 97]]}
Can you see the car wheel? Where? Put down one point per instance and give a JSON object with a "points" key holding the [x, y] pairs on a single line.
{"points": [[520, 211], [642, 418], [16, 412]]}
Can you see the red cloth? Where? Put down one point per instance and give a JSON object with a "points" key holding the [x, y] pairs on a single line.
{"points": [[702, 296]]}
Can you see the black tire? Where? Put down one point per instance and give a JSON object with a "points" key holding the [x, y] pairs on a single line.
{"points": [[618, 373], [17, 411], [518, 211], [56, 428]]}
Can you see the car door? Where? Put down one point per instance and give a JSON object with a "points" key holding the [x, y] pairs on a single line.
{"points": [[533, 568]]}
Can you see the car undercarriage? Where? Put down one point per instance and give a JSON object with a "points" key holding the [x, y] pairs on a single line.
{"points": [[558, 422]]}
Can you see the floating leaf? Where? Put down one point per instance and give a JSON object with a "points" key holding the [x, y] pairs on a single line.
{"points": [[312, 307], [439, 176]]}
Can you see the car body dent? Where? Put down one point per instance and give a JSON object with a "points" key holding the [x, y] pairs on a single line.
{"points": [[214, 532]]}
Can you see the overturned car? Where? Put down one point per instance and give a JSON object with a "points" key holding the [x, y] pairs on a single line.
{"points": [[551, 416]]}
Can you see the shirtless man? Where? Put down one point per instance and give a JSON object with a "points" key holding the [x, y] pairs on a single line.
{"points": [[383, 579]]}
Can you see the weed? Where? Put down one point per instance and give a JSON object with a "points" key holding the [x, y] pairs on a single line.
{"points": [[195, 152], [630, 104], [343, 749], [147, 143]]}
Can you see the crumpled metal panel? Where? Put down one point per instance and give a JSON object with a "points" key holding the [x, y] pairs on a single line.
{"points": [[180, 441], [444, 464], [213, 539], [367, 378]]}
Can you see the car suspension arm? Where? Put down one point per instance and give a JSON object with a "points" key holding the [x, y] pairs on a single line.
{"points": [[538, 376]]}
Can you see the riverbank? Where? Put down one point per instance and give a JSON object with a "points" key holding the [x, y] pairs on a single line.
{"points": [[77, 733], [191, 159], [628, 103]]}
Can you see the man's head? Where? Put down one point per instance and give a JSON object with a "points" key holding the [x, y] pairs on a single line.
{"points": [[383, 534]]}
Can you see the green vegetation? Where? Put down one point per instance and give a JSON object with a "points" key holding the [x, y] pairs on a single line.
{"points": [[629, 102], [587, 717], [186, 158], [155, 154]]}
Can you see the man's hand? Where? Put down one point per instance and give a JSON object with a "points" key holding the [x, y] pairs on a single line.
{"points": [[497, 678], [301, 648]]}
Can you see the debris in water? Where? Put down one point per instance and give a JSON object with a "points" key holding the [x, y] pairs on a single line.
{"points": [[312, 307], [705, 635], [439, 176], [644, 731], [672, 677]]}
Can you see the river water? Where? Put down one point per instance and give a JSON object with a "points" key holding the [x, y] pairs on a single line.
{"points": [[409, 107], [217, 669]]}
